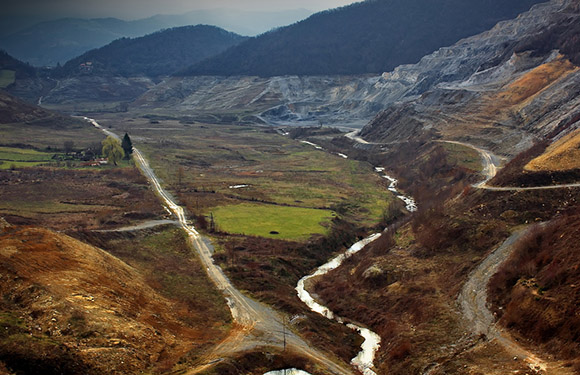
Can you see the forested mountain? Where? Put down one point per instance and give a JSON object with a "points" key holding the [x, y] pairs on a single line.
{"points": [[160, 53], [369, 37], [51, 42]]}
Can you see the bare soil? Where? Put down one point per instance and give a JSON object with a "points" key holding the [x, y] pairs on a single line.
{"points": [[68, 307]]}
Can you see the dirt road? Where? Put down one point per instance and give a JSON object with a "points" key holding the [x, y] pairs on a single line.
{"points": [[257, 325], [146, 225], [473, 302], [490, 164]]}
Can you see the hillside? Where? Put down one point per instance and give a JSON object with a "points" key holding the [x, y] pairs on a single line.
{"points": [[20, 69], [15, 110], [157, 54], [68, 307], [463, 69], [367, 37], [499, 103], [49, 43]]}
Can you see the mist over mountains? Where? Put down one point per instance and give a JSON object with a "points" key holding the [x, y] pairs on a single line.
{"points": [[51, 42]]}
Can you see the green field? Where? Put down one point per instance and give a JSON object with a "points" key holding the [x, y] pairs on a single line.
{"points": [[213, 158], [7, 77], [20, 157], [291, 223]]}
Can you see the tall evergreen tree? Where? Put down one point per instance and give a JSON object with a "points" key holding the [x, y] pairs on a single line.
{"points": [[127, 146]]}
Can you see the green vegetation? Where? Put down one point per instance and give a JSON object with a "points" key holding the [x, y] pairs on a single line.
{"points": [[112, 150], [18, 157], [161, 53], [345, 40], [7, 77], [292, 223], [203, 162]]}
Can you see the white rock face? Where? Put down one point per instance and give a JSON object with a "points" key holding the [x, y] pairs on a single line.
{"points": [[351, 101]]}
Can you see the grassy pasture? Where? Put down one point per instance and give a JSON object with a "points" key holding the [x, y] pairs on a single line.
{"points": [[291, 223], [463, 156], [214, 158], [19, 157]]}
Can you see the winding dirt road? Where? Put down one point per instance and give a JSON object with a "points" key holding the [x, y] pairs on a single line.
{"points": [[490, 163], [256, 325], [473, 302], [473, 297]]}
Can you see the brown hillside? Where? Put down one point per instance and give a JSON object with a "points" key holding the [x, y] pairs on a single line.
{"points": [[537, 291], [533, 82], [68, 307], [563, 155], [15, 110]]}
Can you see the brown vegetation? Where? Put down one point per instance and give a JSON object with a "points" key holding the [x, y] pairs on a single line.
{"points": [[66, 199], [406, 292], [537, 291], [270, 269], [564, 155], [516, 173]]}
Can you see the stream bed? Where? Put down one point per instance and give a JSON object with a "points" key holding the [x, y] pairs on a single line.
{"points": [[365, 358]]}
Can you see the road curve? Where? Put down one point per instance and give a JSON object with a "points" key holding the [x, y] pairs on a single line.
{"points": [[257, 324], [490, 164]]}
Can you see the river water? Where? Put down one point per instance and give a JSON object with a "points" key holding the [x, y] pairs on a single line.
{"points": [[365, 358]]}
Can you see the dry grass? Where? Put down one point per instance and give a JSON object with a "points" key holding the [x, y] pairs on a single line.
{"points": [[534, 82], [563, 155], [70, 304], [65, 199]]}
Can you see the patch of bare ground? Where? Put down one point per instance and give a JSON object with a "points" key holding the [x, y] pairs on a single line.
{"points": [[68, 307], [64, 199]]}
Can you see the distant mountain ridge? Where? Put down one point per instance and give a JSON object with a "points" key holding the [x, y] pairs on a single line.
{"points": [[51, 42], [369, 37], [161, 53]]}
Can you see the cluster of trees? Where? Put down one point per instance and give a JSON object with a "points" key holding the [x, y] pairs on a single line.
{"points": [[115, 150]]}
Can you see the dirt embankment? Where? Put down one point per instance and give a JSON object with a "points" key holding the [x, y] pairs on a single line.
{"points": [[68, 307]]}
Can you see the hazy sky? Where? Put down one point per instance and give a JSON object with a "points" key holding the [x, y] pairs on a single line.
{"points": [[133, 9]]}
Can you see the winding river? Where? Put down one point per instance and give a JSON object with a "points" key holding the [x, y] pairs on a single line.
{"points": [[365, 358], [248, 312]]}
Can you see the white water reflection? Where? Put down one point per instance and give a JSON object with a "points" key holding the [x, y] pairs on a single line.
{"points": [[365, 358], [410, 203]]}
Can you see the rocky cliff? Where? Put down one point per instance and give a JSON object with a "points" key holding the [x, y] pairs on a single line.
{"points": [[449, 76]]}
